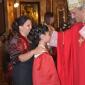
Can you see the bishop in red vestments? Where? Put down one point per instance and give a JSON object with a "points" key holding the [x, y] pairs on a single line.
{"points": [[82, 56], [68, 59]]}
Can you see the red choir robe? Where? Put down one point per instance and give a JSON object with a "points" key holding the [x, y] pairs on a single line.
{"points": [[67, 59], [44, 70]]}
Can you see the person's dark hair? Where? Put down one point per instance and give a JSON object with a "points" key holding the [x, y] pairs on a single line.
{"points": [[34, 35], [19, 22], [47, 17]]}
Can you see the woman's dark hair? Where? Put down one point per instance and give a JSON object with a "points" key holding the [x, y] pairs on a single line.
{"points": [[34, 35], [19, 22], [47, 17]]}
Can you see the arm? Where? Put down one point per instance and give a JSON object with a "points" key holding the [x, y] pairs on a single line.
{"points": [[26, 56], [16, 54], [54, 39]]}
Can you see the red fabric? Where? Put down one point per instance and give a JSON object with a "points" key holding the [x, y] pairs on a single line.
{"points": [[75, 52], [67, 61], [64, 59], [79, 56], [82, 64], [44, 71], [23, 44]]}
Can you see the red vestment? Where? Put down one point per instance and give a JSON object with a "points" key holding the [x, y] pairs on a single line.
{"points": [[44, 70], [67, 59], [82, 64], [75, 52], [81, 55]]}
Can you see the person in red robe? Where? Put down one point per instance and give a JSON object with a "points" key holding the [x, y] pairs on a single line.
{"points": [[67, 61], [81, 53], [44, 69], [68, 50]]}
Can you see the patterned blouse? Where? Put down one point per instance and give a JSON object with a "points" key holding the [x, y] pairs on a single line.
{"points": [[16, 46]]}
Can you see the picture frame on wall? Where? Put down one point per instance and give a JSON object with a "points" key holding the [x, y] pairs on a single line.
{"points": [[2, 18], [31, 9]]}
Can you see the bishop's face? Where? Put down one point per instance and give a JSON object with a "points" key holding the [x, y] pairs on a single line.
{"points": [[77, 14]]}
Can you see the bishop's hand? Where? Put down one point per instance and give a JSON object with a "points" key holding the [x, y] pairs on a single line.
{"points": [[81, 40]]}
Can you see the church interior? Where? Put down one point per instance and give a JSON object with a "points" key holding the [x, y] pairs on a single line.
{"points": [[11, 9]]}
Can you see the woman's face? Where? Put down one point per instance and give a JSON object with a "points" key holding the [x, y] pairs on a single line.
{"points": [[46, 37], [26, 27]]}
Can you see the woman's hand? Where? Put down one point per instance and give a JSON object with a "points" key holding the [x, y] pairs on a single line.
{"points": [[39, 50]]}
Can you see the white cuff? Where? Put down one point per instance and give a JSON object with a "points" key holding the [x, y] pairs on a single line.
{"points": [[82, 32], [37, 55], [54, 39]]}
